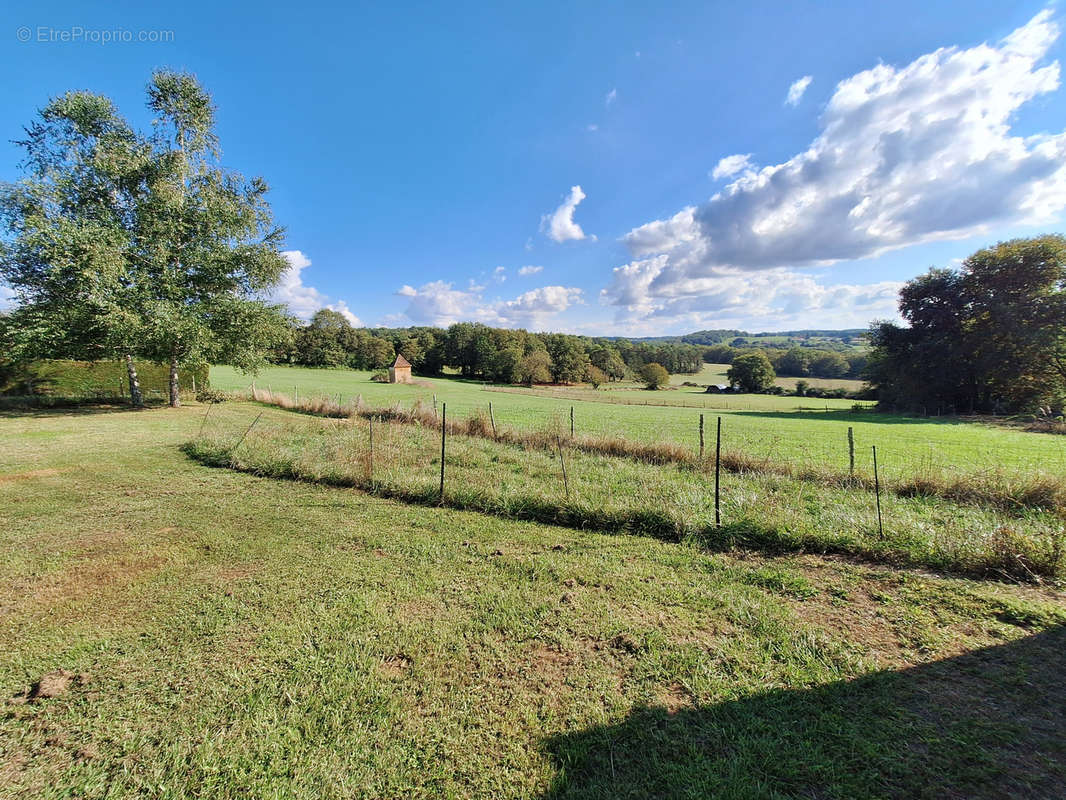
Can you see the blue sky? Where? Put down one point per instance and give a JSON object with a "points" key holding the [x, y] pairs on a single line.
{"points": [[424, 157]]}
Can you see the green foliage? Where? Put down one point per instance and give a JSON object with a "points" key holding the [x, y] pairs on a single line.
{"points": [[205, 245], [145, 245], [534, 367], [720, 354], [828, 364], [330, 341], [752, 372], [211, 396], [596, 376], [795, 362], [990, 336], [83, 379], [570, 362], [654, 375], [499, 355], [609, 361], [67, 251]]}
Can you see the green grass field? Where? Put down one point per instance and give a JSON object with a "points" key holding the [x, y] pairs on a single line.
{"points": [[228, 635], [778, 429], [595, 491]]}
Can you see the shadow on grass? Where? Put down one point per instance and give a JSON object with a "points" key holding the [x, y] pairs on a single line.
{"points": [[988, 724], [77, 409]]}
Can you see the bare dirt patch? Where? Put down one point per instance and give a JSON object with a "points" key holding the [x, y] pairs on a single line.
{"points": [[674, 698], [420, 610], [551, 663], [395, 666], [95, 579], [28, 475], [51, 685], [860, 622]]}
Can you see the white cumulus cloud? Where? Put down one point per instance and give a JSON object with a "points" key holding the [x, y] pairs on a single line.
{"points": [[440, 303], [302, 300], [559, 226], [797, 90], [530, 309], [529, 270], [342, 308], [611, 97], [906, 154], [731, 165]]}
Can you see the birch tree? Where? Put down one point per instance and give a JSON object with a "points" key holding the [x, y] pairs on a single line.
{"points": [[206, 247]]}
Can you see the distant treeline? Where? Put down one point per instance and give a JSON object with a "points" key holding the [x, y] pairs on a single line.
{"points": [[478, 351], [832, 339], [797, 362]]}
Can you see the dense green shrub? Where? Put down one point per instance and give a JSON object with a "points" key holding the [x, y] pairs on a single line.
{"points": [[93, 379]]}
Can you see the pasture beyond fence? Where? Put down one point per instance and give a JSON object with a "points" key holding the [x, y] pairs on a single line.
{"points": [[836, 441], [607, 482]]}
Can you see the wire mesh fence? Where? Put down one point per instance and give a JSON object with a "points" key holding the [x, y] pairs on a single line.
{"points": [[803, 438], [464, 461]]}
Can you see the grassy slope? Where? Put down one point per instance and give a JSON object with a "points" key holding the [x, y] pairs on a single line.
{"points": [[240, 637], [906, 445]]}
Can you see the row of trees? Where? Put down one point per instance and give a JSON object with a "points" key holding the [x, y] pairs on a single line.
{"points": [[989, 336], [499, 355], [122, 244], [797, 362]]}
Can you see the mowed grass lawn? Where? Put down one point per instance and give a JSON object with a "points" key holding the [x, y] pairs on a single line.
{"points": [[228, 636], [767, 427]]}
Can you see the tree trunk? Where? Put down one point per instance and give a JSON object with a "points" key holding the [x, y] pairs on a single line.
{"points": [[175, 401], [135, 385]]}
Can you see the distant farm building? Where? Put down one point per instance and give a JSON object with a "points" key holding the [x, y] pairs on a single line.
{"points": [[400, 371], [719, 388]]}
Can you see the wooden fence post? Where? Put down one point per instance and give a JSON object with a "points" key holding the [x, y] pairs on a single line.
{"points": [[877, 493], [492, 420], [571, 422], [371, 451], [443, 437], [701, 437], [851, 451], [717, 474]]}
